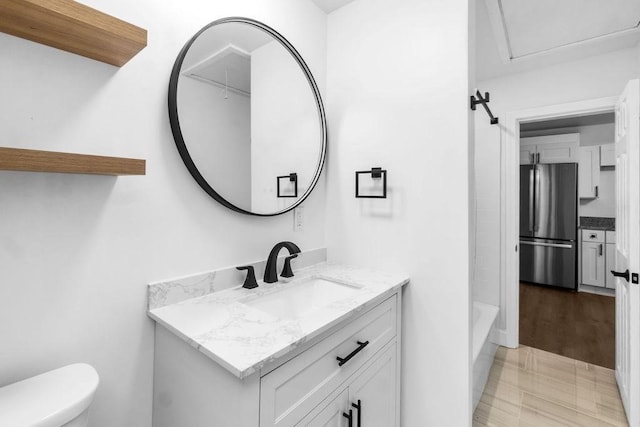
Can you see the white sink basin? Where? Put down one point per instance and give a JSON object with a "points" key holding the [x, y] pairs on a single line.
{"points": [[301, 298]]}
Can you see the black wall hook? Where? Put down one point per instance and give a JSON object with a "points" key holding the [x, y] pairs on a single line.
{"points": [[480, 100]]}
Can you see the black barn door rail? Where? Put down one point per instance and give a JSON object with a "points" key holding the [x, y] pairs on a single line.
{"points": [[478, 99]]}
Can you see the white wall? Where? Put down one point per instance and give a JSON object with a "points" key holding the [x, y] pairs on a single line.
{"points": [[398, 98], [76, 252], [217, 133], [594, 77], [285, 131]]}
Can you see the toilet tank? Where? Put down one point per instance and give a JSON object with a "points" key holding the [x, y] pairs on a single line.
{"points": [[53, 399]]}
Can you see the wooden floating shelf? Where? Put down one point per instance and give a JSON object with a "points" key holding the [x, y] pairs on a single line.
{"points": [[18, 159], [74, 27]]}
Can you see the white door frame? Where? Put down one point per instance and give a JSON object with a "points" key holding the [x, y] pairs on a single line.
{"points": [[510, 196]]}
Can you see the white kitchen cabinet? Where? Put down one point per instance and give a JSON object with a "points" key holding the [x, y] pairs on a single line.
{"points": [[550, 149], [593, 264], [527, 153], [308, 387], [608, 155], [593, 258], [589, 172]]}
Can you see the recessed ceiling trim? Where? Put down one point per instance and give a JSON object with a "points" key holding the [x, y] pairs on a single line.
{"points": [[501, 34], [629, 32], [496, 16]]}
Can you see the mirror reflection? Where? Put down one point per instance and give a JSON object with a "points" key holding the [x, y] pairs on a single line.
{"points": [[249, 118]]}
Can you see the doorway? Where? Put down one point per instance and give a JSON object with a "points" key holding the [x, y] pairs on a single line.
{"points": [[510, 197], [627, 247], [567, 231]]}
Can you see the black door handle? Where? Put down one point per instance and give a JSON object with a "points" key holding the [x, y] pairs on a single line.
{"points": [[358, 406], [343, 360], [349, 416], [624, 275]]}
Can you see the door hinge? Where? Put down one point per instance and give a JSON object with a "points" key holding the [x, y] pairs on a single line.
{"points": [[634, 278], [516, 248]]}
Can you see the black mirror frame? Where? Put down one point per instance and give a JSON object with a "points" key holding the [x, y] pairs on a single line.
{"points": [[175, 123]]}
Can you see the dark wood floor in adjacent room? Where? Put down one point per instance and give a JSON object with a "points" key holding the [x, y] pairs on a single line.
{"points": [[578, 325]]}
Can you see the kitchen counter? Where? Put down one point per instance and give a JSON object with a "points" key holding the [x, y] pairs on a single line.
{"points": [[597, 223], [243, 339]]}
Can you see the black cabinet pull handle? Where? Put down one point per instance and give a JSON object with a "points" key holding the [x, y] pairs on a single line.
{"points": [[358, 407], [624, 275], [600, 249], [343, 360], [349, 416]]}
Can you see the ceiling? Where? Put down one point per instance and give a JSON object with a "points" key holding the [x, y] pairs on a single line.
{"points": [[516, 35], [329, 6], [569, 122]]}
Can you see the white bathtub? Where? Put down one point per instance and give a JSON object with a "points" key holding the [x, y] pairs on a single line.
{"points": [[484, 318]]}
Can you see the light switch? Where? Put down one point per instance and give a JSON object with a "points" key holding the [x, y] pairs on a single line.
{"points": [[298, 219]]}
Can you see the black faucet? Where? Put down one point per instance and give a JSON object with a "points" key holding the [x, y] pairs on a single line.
{"points": [[270, 271]]}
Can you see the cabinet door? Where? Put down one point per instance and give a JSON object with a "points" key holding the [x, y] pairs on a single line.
{"points": [[561, 152], [527, 153], [374, 393], [610, 262], [593, 264], [589, 172], [608, 155], [328, 414]]}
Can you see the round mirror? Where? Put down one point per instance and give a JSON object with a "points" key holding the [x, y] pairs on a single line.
{"points": [[247, 117]]}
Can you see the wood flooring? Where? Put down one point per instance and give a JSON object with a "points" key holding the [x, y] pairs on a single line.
{"points": [[531, 387], [578, 325]]}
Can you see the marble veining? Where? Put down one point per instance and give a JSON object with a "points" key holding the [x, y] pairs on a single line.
{"points": [[172, 291], [243, 339]]}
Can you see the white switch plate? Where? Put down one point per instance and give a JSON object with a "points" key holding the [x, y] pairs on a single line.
{"points": [[298, 219]]}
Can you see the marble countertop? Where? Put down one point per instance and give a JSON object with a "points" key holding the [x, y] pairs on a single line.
{"points": [[243, 339]]}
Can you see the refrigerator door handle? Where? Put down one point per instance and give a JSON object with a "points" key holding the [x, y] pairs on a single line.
{"points": [[531, 200], [537, 201], [550, 245]]}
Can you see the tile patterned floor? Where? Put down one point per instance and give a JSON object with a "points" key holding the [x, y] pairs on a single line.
{"points": [[531, 387]]}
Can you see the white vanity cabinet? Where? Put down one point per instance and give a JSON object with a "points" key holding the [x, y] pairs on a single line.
{"points": [[368, 400], [314, 385]]}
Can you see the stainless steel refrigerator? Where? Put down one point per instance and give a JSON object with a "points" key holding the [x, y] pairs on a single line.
{"points": [[548, 224]]}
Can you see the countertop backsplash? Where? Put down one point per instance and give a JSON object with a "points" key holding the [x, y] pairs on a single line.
{"points": [[597, 223], [172, 291]]}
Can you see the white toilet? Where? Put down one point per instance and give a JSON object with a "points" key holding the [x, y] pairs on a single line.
{"points": [[54, 399]]}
